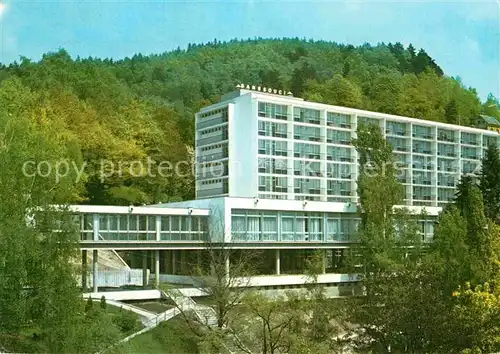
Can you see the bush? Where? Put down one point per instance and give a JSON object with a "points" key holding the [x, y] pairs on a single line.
{"points": [[89, 305], [127, 321], [103, 303]]}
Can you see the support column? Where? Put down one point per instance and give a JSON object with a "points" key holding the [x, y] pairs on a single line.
{"points": [[94, 271], [84, 271], [174, 261], [278, 262], [157, 268], [226, 273], [166, 264], [144, 269], [182, 258]]}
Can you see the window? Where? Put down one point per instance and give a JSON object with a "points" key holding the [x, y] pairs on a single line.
{"points": [[338, 137], [422, 193], [469, 138], [301, 132], [422, 147], [306, 115], [341, 154], [422, 132], [368, 121], [342, 171], [307, 186], [272, 147], [396, 128], [489, 140], [446, 135], [274, 111], [469, 152], [446, 150], [273, 184], [273, 166], [339, 188], [338, 120], [398, 144], [278, 130], [307, 151], [307, 168]]}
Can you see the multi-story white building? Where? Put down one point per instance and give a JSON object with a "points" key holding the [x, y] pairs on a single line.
{"points": [[278, 174], [262, 145]]}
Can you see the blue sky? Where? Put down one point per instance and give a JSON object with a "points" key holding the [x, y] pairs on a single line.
{"points": [[463, 37]]}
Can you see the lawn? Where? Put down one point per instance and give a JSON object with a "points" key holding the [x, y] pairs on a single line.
{"points": [[172, 336], [30, 339]]}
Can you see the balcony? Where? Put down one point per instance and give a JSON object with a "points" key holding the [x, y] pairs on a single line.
{"points": [[421, 197], [422, 182]]}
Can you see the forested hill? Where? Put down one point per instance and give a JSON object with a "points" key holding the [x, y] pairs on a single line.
{"points": [[143, 106]]}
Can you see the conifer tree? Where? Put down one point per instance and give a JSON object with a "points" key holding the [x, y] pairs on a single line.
{"points": [[489, 178]]}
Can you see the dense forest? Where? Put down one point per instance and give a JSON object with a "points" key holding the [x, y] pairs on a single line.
{"points": [[143, 107]]}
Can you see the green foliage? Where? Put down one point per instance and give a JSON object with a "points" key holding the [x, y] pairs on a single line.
{"points": [[490, 182], [172, 336], [37, 280], [491, 107], [121, 111], [478, 311], [89, 304], [126, 321]]}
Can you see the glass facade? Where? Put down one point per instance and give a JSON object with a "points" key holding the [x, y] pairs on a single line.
{"points": [[254, 226], [299, 140], [124, 227]]}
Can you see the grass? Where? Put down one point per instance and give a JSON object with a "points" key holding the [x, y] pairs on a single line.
{"points": [[30, 339], [172, 336]]}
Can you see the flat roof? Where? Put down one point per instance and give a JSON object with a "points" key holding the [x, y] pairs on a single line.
{"points": [[137, 210], [285, 100]]}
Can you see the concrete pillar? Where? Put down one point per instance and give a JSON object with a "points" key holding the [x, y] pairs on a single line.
{"points": [[144, 269], [182, 263], [174, 261], [277, 262], [323, 263], [94, 271], [157, 268], [84, 270]]}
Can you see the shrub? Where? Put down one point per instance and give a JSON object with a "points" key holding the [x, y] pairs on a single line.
{"points": [[127, 321], [89, 304], [103, 302]]}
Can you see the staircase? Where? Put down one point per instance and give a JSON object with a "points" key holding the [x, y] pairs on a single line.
{"points": [[207, 316]]}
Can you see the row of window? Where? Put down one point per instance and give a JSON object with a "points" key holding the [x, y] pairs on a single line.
{"points": [[339, 120], [222, 111], [140, 227], [213, 181], [213, 130], [293, 226], [213, 147]]}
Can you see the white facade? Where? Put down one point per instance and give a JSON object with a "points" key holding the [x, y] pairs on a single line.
{"points": [[267, 146], [292, 223]]}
